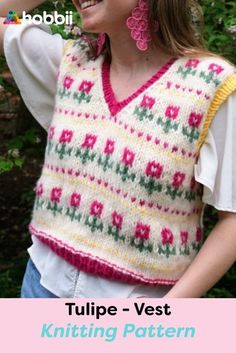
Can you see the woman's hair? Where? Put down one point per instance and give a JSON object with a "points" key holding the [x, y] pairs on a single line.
{"points": [[180, 28]]}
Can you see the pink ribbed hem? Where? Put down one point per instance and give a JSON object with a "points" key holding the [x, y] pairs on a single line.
{"points": [[93, 264], [113, 104]]}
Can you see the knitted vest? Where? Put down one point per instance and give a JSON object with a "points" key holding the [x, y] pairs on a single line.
{"points": [[117, 195]]}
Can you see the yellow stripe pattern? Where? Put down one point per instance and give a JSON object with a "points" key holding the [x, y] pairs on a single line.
{"points": [[227, 88]]}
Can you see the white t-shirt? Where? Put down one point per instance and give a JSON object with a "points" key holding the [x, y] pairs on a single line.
{"points": [[33, 55]]}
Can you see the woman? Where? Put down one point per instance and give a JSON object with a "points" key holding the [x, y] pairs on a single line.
{"points": [[135, 134]]}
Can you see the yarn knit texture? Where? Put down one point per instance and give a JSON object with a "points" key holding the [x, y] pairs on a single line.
{"points": [[117, 195]]}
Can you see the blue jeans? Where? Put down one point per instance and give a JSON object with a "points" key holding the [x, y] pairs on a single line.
{"points": [[31, 287]]}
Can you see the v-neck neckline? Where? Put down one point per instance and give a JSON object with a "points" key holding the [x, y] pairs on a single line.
{"points": [[116, 106]]}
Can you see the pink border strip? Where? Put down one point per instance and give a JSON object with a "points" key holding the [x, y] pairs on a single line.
{"points": [[115, 106], [93, 264]]}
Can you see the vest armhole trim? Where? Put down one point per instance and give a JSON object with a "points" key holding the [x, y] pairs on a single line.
{"points": [[228, 87], [67, 45]]}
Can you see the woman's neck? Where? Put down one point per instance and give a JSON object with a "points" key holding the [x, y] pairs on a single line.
{"points": [[126, 57]]}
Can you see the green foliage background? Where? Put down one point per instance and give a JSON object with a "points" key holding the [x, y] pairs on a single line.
{"points": [[220, 37]]}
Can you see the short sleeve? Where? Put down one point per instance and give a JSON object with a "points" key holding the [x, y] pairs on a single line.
{"points": [[216, 166], [33, 55]]}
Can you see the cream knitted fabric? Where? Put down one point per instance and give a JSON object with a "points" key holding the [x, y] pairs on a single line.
{"points": [[117, 195]]}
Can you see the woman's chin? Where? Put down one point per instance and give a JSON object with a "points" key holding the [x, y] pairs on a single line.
{"points": [[91, 26]]}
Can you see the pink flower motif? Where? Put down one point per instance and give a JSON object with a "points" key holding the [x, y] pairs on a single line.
{"points": [[172, 112], [184, 237], [143, 25], [145, 37], [147, 102], [154, 169], [198, 235], [142, 231], [68, 81], [128, 157], [39, 190], [66, 136], [86, 86], [143, 5], [56, 195], [195, 119], [75, 200], [110, 146], [192, 183], [178, 179], [51, 132], [167, 236], [96, 208], [217, 69], [117, 219], [132, 22], [137, 13], [193, 63], [89, 141], [135, 33]]}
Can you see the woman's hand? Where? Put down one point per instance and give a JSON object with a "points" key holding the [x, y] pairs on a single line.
{"points": [[216, 256]]}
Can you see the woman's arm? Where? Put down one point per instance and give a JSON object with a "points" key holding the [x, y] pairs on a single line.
{"points": [[216, 256], [18, 6]]}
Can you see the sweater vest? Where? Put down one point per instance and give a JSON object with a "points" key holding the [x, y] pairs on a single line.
{"points": [[117, 195]]}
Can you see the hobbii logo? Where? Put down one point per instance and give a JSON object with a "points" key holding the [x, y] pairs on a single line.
{"points": [[37, 19], [49, 19]]}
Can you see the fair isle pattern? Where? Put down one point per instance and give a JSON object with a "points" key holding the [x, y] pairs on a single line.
{"points": [[117, 195]]}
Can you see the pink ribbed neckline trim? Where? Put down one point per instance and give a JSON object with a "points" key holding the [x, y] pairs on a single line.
{"points": [[93, 264], [116, 106]]}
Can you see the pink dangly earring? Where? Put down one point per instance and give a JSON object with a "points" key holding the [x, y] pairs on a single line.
{"points": [[138, 24]]}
